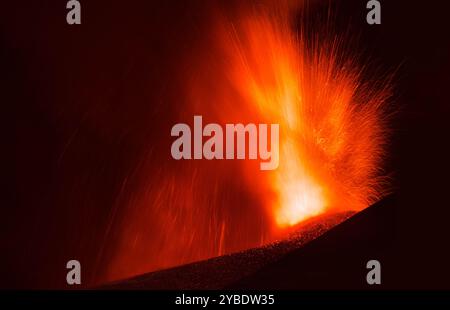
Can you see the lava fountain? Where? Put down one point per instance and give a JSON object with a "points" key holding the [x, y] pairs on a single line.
{"points": [[258, 64], [333, 124]]}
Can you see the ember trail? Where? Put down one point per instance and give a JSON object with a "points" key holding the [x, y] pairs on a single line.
{"points": [[256, 65]]}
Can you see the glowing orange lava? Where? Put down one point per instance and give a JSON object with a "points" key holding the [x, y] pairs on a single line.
{"points": [[332, 126], [259, 66]]}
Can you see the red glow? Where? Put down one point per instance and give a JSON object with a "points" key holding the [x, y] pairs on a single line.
{"points": [[256, 67]]}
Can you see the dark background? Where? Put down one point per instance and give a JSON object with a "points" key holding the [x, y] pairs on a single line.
{"points": [[66, 151]]}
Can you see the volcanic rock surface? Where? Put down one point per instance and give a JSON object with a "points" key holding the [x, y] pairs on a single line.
{"points": [[222, 271], [325, 252]]}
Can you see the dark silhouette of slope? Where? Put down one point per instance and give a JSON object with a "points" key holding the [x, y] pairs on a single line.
{"points": [[221, 271], [327, 252], [338, 258]]}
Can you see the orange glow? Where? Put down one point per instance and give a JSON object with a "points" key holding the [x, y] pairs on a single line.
{"points": [[332, 126], [259, 66]]}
